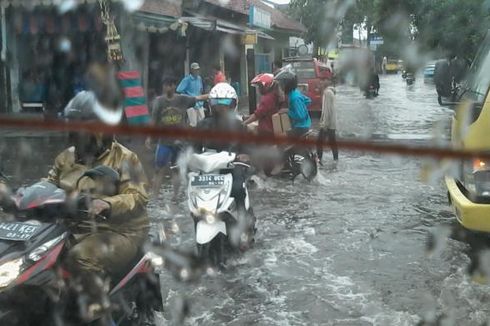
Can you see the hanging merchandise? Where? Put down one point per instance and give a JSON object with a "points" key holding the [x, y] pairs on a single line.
{"points": [[113, 39], [135, 107]]}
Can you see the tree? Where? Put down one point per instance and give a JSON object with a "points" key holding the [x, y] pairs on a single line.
{"points": [[451, 27], [320, 17], [444, 27]]}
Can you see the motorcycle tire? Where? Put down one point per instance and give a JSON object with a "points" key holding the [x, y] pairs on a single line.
{"points": [[251, 231], [213, 253], [144, 299], [309, 167]]}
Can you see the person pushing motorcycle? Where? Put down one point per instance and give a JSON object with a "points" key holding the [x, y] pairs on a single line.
{"points": [[297, 102]]}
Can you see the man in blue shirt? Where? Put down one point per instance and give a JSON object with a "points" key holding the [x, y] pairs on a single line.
{"points": [[192, 85]]}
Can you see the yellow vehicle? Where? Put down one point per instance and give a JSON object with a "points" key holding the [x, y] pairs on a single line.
{"points": [[469, 191], [392, 66]]}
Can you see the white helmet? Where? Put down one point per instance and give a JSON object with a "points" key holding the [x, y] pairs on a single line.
{"points": [[223, 94]]}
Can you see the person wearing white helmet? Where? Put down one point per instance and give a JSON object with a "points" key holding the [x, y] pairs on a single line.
{"points": [[223, 102]]}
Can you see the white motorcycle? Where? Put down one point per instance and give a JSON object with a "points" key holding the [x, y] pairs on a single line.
{"points": [[221, 223]]}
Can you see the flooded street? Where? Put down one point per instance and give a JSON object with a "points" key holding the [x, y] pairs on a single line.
{"points": [[347, 249]]}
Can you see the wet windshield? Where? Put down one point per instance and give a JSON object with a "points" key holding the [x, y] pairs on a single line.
{"points": [[478, 80], [244, 162]]}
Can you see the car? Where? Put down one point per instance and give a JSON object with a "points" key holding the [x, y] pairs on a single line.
{"points": [[469, 189], [392, 66], [310, 72]]}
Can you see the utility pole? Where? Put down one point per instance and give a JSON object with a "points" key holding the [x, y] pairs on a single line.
{"points": [[252, 96]]}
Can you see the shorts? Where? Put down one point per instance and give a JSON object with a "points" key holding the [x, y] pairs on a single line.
{"points": [[194, 115], [166, 155]]}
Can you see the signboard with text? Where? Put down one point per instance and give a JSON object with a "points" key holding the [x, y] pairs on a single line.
{"points": [[249, 38], [376, 40], [259, 17]]}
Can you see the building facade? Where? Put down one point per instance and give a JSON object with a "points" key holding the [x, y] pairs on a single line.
{"points": [[45, 49]]}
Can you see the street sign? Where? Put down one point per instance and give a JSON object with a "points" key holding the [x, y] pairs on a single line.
{"points": [[376, 40], [249, 38], [259, 17]]}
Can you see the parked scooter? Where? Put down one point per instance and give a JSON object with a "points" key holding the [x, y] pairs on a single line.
{"points": [[222, 224], [34, 283]]}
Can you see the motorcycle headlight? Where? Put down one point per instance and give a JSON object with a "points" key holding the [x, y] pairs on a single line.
{"points": [[476, 178], [10, 271]]}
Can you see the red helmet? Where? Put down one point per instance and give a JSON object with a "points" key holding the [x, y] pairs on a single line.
{"points": [[266, 81]]}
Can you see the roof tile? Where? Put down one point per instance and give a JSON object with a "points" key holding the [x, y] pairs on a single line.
{"points": [[172, 8]]}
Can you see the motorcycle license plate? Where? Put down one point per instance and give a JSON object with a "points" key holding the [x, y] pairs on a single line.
{"points": [[17, 231], [208, 180]]}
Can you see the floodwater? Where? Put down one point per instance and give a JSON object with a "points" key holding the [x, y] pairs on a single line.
{"points": [[346, 249], [349, 248]]}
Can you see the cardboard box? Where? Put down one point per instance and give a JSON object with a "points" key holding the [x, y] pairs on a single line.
{"points": [[253, 127], [281, 123]]}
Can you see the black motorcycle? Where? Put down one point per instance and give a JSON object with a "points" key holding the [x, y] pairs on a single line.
{"points": [[371, 92], [410, 79], [299, 161]]}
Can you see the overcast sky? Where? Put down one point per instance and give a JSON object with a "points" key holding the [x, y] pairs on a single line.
{"points": [[280, 1]]}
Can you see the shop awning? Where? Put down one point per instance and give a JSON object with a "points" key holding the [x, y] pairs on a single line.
{"points": [[200, 22], [221, 25], [230, 28], [153, 23], [264, 35]]}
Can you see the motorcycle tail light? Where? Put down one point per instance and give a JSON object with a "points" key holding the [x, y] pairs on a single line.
{"points": [[479, 165]]}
